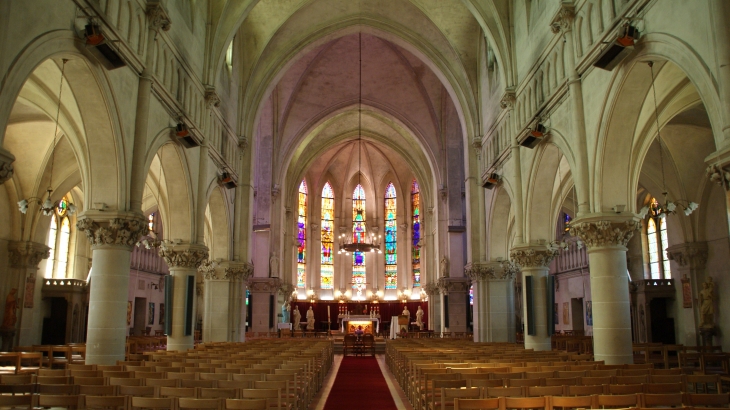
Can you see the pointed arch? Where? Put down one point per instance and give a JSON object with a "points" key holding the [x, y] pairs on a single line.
{"points": [[327, 269], [358, 235], [416, 233], [391, 236]]}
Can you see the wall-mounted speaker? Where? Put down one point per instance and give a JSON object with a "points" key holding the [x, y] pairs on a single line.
{"points": [[226, 180], [617, 50], [534, 136], [491, 181], [182, 134], [101, 47]]}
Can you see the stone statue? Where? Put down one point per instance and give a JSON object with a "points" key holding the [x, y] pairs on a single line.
{"points": [[296, 318], [273, 266], [406, 312], [285, 312], [310, 319], [707, 307], [444, 267], [419, 318], [11, 304]]}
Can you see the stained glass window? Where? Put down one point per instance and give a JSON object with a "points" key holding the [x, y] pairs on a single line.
{"points": [[302, 236], [656, 238], [327, 269], [358, 235], [391, 233], [416, 223], [62, 256]]}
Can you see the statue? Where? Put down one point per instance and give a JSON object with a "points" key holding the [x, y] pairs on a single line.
{"points": [[310, 319], [285, 312], [406, 312], [11, 304], [419, 318], [273, 266], [445, 267], [707, 307], [296, 318]]}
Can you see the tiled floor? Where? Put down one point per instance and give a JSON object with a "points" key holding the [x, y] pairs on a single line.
{"points": [[399, 396]]}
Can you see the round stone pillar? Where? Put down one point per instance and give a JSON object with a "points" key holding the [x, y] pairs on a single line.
{"points": [[183, 261], [606, 239], [535, 262], [112, 239]]}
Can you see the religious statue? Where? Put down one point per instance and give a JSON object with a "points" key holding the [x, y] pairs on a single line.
{"points": [[11, 304], [444, 267], [296, 318], [419, 318], [310, 319], [406, 312], [285, 313], [273, 266], [707, 307]]}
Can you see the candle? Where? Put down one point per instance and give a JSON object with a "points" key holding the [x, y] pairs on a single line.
{"points": [[328, 313]]}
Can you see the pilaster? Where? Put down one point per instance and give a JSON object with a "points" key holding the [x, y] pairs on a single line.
{"points": [[263, 300], [493, 309], [432, 291], [24, 258], [455, 297]]}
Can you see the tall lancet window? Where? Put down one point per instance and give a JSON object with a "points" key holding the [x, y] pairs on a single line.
{"points": [[59, 239], [327, 268], [302, 236], [656, 235], [391, 233], [416, 223], [358, 235]]}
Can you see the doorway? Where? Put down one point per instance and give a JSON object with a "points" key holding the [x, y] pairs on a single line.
{"points": [[140, 314], [662, 326], [54, 321], [576, 310]]}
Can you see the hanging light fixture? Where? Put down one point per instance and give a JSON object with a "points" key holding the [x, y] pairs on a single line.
{"points": [[48, 207], [669, 207], [357, 243]]}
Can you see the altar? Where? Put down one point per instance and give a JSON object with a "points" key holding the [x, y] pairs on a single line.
{"points": [[348, 324]]}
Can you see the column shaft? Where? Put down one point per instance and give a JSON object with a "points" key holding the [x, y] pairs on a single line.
{"points": [[541, 339], [178, 340]]}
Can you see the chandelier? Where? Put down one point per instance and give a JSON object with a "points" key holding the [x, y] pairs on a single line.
{"points": [[49, 206], [669, 207], [359, 240]]}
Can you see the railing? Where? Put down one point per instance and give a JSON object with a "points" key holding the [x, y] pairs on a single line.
{"points": [[572, 258], [65, 283], [148, 260]]}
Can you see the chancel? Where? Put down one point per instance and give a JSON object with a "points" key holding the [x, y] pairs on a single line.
{"points": [[240, 183]]}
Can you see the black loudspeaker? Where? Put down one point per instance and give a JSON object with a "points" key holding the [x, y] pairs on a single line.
{"points": [[530, 310], [617, 50], [491, 181], [533, 137], [227, 181], [550, 300], [271, 311], [182, 133], [446, 311], [169, 283], [101, 49], [189, 295]]}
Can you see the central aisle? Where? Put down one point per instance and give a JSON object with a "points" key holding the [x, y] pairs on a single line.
{"points": [[359, 385]]}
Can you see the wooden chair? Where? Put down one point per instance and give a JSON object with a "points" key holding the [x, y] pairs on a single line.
{"points": [[526, 403], [207, 384], [484, 382], [578, 402], [625, 388], [537, 391], [593, 381], [478, 404], [662, 400], [272, 396], [105, 402], [152, 403], [449, 395], [117, 381], [62, 401], [15, 379], [89, 381], [137, 391], [704, 383], [631, 379], [432, 399], [23, 401], [214, 376], [249, 404], [53, 380], [288, 398], [190, 403], [177, 392], [669, 378], [562, 381], [707, 400], [663, 388], [163, 383], [617, 401], [504, 392], [57, 389], [98, 390], [218, 393], [52, 372]]}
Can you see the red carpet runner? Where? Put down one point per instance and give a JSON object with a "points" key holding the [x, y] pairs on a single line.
{"points": [[359, 385]]}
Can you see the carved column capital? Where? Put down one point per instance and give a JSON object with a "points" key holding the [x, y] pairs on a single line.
{"points": [[508, 99], [184, 256], [6, 165], [212, 98], [238, 271], [157, 15], [604, 231], [714, 172], [207, 269], [563, 19], [533, 256], [27, 254], [691, 254], [487, 271], [264, 285], [455, 285], [104, 229], [431, 289]]}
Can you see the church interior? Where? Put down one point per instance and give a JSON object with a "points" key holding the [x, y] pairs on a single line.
{"points": [[351, 182]]}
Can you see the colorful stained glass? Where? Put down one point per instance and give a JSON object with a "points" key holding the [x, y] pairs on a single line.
{"points": [[327, 270], [391, 233], [358, 235], [471, 295], [302, 236], [416, 249]]}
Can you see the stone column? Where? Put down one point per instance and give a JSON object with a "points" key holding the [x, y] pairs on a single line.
{"points": [[690, 259], [493, 302], [112, 237], [261, 291], [432, 291], [22, 276], [456, 292], [606, 237], [237, 273], [534, 261], [222, 297], [183, 261]]}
